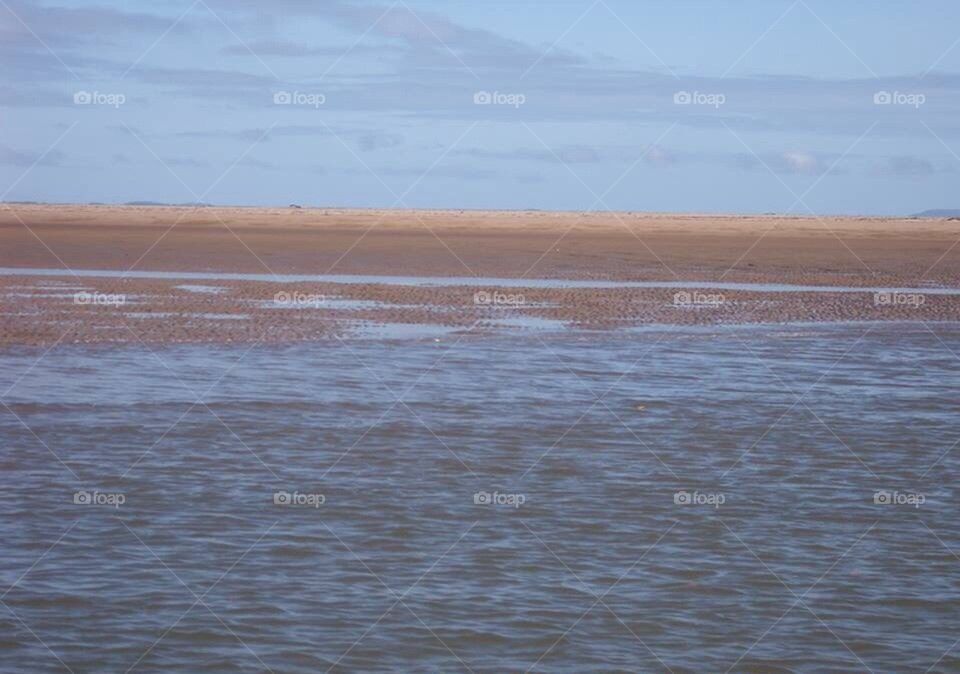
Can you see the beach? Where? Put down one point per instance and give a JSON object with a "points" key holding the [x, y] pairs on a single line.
{"points": [[180, 274], [244, 439], [541, 337]]}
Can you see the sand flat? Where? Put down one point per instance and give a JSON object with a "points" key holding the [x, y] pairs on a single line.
{"points": [[891, 251], [689, 252]]}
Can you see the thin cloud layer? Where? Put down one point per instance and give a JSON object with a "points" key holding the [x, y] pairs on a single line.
{"points": [[425, 82]]}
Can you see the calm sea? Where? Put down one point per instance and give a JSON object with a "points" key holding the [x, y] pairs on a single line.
{"points": [[765, 499]]}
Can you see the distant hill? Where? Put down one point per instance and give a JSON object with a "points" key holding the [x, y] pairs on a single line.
{"points": [[940, 213]]}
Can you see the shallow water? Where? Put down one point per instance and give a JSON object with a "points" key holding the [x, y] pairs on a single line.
{"points": [[478, 281], [781, 562]]}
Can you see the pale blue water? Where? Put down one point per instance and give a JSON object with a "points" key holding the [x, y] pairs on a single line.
{"points": [[399, 570], [478, 281]]}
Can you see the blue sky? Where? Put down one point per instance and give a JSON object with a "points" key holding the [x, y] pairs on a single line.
{"points": [[766, 106]]}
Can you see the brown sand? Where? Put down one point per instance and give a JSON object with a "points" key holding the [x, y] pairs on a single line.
{"points": [[623, 246]]}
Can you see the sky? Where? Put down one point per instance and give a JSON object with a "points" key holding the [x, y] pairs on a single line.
{"points": [[785, 106]]}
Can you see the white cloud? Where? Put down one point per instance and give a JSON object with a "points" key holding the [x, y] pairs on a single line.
{"points": [[801, 162]]}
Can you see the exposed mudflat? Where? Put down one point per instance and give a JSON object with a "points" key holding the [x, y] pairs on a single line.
{"points": [[473, 268]]}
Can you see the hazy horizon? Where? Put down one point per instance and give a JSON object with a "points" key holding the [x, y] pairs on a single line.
{"points": [[928, 213]]}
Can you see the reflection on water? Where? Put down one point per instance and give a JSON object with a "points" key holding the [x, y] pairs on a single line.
{"points": [[469, 281], [202, 289], [692, 501]]}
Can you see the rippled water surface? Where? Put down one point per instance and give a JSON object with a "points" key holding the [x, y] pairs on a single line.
{"points": [[700, 501]]}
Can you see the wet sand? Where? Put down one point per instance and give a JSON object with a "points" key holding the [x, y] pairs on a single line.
{"points": [[859, 252]]}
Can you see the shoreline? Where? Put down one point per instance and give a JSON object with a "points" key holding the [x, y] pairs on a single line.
{"points": [[581, 272], [63, 308]]}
